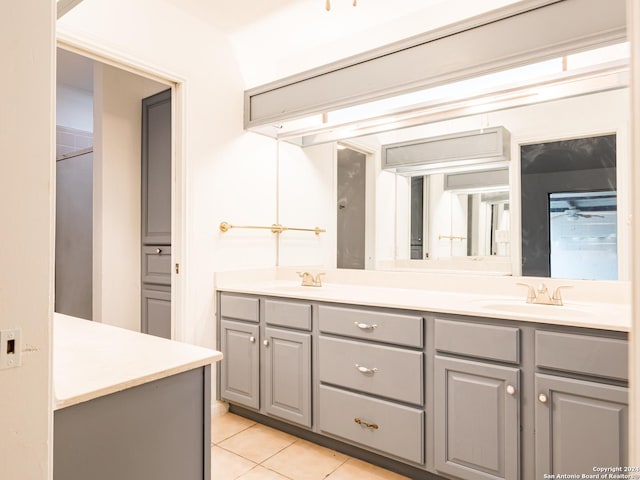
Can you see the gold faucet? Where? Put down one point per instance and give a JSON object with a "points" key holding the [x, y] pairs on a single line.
{"points": [[309, 280], [541, 296]]}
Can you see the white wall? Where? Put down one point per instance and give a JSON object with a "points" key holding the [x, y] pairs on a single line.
{"points": [[117, 194], [300, 38], [74, 107], [230, 174], [26, 215]]}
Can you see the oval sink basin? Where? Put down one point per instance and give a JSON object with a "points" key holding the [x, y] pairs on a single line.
{"points": [[573, 311]]}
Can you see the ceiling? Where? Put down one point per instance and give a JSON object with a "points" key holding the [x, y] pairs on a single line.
{"points": [[237, 15]]}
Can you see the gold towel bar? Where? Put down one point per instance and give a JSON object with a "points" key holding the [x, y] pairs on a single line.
{"points": [[275, 228], [450, 237]]}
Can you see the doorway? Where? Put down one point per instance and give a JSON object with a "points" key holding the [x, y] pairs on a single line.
{"points": [[351, 209], [113, 95]]}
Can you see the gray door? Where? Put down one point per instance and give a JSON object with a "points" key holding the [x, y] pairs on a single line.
{"points": [[74, 236], [287, 370], [579, 425], [156, 169], [476, 419], [239, 369], [351, 209]]}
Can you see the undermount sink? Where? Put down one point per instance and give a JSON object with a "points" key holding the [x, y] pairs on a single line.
{"points": [[521, 307]]}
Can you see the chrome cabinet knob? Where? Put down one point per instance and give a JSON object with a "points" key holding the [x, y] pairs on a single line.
{"points": [[542, 398], [252, 339], [511, 390], [265, 343], [158, 251]]}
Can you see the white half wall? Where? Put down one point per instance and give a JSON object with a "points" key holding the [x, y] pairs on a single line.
{"points": [[117, 194], [27, 144]]}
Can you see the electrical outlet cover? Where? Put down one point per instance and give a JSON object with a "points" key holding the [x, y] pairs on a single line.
{"points": [[10, 348]]}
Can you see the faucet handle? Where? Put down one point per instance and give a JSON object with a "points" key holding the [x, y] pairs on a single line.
{"points": [[318, 279], [531, 292], [557, 297]]}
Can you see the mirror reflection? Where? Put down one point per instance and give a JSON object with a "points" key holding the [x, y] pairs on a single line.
{"points": [[443, 215]]}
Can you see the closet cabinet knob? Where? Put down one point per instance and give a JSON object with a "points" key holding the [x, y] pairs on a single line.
{"points": [[265, 343], [511, 390], [252, 339], [542, 398]]}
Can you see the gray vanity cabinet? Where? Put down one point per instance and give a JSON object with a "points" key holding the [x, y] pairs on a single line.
{"points": [[579, 425], [287, 373], [371, 373], [266, 345], [239, 370], [581, 405], [477, 400], [476, 422]]}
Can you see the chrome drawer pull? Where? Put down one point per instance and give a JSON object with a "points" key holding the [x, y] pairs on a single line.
{"points": [[365, 369], [365, 326], [372, 426]]}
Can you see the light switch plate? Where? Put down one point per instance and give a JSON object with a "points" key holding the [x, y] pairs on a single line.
{"points": [[10, 348]]}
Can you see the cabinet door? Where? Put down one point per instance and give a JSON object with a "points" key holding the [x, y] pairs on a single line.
{"points": [[579, 425], [476, 419], [156, 169], [287, 369], [239, 369], [156, 312]]}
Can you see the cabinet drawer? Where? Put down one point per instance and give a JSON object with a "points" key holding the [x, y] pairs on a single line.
{"points": [[288, 314], [399, 432], [239, 307], [478, 340], [386, 371], [156, 265], [371, 325], [591, 355]]}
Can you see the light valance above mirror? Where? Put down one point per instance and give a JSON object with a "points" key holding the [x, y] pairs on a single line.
{"points": [[463, 151], [538, 30]]}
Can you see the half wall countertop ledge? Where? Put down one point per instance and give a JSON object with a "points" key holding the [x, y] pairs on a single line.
{"points": [[92, 359]]}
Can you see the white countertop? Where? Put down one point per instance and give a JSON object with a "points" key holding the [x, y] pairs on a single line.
{"points": [[598, 315], [92, 359]]}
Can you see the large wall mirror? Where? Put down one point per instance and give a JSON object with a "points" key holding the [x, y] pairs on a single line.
{"points": [[478, 214]]}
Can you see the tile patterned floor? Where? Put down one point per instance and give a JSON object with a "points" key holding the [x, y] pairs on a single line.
{"points": [[245, 450]]}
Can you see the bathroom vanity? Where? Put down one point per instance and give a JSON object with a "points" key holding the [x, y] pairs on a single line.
{"points": [[129, 405], [431, 382]]}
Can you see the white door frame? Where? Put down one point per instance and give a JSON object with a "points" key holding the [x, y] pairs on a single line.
{"points": [[177, 84]]}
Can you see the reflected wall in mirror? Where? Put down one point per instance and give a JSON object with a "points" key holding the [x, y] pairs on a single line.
{"points": [[569, 208], [472, 220]]}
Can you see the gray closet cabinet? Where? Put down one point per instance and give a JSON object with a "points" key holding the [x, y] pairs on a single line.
{"points": [[156, 310], [156, 214], [156, 169], [477, 424], [267, 356]]}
